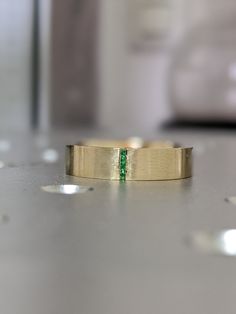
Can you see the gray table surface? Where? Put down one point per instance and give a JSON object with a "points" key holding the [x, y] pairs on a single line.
{"points": [[121, 248]]}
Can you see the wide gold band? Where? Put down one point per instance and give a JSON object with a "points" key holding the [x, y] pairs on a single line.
{"points": [[129, 160]]}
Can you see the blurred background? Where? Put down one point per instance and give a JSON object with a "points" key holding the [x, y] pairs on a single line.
{"points": [[130, 64]]}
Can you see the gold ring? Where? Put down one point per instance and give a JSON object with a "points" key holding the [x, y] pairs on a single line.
{"points": [[133, 159]]}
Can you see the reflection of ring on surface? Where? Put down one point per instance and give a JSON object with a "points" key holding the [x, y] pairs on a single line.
{"points": [[133, 159]]}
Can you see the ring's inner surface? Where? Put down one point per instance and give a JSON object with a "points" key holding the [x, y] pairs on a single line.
{"points": [[134, 142]]}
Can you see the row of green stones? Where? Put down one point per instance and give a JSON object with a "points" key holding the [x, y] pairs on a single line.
{"points": [[123, 164]]}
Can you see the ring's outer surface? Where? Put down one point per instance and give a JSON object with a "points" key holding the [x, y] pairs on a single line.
{"points": [[119, 160]]}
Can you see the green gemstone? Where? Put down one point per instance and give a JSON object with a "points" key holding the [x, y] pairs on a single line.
{"points": [[123, 164]]}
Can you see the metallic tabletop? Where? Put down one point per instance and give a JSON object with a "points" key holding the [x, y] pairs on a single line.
{"points": [[134, 247]]}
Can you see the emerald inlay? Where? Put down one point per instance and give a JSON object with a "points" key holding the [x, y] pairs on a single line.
{"points": [[123, 164]]}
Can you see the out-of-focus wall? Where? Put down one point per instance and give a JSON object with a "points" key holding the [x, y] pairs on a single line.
{"points": [[202, 85], [15, 63], [74, 31], [45, 13], [133, 80]]}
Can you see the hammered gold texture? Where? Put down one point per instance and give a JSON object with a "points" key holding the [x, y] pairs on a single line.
{"points": [[157, 162]]}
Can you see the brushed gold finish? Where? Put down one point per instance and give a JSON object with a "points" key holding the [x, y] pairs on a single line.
{"points": [[145, 160]]}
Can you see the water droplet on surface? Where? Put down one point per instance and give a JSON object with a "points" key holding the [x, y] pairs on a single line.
{"points": [[50, 156], [68, 189], [216, 243], [231, 199]]}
